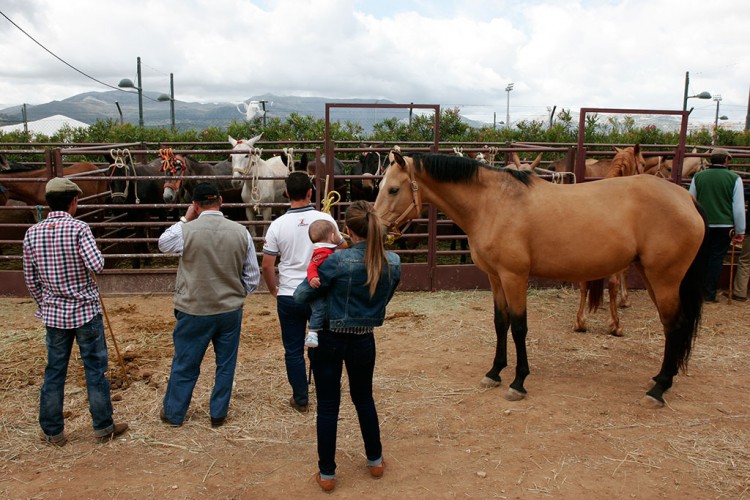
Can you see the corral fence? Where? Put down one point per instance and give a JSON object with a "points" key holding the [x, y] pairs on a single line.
{"points": [[432, 252]]}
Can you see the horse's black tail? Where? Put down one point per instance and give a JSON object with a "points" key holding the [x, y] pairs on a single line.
{"points": [[691, 302], [596, 293]]}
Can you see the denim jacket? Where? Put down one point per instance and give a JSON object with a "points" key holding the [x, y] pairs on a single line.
{"points": [[343, 278]]}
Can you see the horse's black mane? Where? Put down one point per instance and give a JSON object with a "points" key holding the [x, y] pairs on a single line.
{"points": [[449, 168]]}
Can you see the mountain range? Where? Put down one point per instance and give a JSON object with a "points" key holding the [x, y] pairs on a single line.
{"points": [[92, 106]]}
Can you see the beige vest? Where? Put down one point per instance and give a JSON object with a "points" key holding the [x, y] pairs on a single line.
{"points": [[209, 277]]}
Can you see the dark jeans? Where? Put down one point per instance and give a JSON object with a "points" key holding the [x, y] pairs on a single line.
{"points": [[93, 347], [718, 245], [191, 337], [357, 353], [293, 319]]}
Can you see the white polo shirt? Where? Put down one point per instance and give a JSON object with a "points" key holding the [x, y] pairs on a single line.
{"points": [[287, 238]]}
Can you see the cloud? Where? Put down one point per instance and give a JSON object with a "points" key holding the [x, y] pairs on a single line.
{"points": [[617, 53]]}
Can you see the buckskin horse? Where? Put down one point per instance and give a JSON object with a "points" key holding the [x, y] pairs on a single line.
{"points": [[24, 186], [602, 228]]}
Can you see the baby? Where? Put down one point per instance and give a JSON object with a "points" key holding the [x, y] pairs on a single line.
{"points": [[325, 239]]}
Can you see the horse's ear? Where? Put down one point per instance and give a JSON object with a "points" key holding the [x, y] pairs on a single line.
{"points": [[536, 161], [516, 159], [303, 162], [637, 149], [232, 141], [618, 150], [255, 139], [395, 157]]}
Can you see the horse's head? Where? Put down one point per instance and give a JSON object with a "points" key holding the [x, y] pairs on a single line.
{"points": [[119, 184], [691, 165], [399, 199], [371, 165], [659, 166], [175, 167], [517, 165], [627, 161], [241, 150]]}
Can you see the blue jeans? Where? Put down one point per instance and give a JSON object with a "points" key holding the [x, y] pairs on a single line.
{"points": [[191, 337], [357, 353], [293, 319], [319, 310], [93, 346], [718, 245]]}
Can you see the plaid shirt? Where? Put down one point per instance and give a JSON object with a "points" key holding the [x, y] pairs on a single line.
{"points": [[57, 254]]}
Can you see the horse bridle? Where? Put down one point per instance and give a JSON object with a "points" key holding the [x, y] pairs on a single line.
{"points": [[416, 204]]}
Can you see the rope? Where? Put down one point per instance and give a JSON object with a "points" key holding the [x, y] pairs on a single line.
{"points": [[332, 198], [118, 155], [252, 170]]}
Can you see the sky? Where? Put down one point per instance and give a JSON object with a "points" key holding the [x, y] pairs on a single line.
{"points": [[567, 54]]}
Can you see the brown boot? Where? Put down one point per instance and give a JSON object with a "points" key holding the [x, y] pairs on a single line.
{"points": [[117, 429]]}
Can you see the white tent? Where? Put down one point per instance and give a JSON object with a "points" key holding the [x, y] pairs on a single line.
{"points": [[46, 126]]}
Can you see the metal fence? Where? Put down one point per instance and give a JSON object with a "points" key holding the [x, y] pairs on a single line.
{"points": [[434, 252]]}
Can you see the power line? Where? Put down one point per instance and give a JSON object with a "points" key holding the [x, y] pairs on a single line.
{"points": [[65, 62]]}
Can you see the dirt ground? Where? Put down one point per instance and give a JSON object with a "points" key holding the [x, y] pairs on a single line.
{"points": [[582, 431]]}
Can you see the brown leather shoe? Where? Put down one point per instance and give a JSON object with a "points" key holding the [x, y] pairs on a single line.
{"points": [[116, 431], [377, 470], [300, 408], [55, 442], [326, 485]]}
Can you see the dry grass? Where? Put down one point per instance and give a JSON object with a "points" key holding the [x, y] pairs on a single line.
{"points": [[580, 428]]}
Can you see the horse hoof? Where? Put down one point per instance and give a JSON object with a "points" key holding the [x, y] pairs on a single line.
{"points": [[581, 329], [514, 395], [651, 403], [488, 383], [617, 333]]}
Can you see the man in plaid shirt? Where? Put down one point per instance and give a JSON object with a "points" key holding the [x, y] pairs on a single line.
{"points": [[58, 254]]}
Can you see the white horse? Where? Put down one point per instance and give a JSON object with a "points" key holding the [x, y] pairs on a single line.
{"points": [[256, 190]]}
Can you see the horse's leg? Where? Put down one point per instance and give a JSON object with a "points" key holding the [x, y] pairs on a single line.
{"points": [[266, 215], [581, 315], [624, 298], [679, 303], [492, 377], [515, 288], [615, 328]]}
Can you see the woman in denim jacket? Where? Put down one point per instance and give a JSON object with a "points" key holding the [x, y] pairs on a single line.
{"points": [[357, 282]]}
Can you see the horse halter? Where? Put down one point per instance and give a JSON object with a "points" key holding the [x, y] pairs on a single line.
{"points": [[173, 165], [416, 204], [121, 163]]}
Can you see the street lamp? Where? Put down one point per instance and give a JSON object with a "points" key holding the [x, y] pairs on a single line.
{"points": [[507, 106], [170, 98], [717, 98], [127, 83], [702, 95]]}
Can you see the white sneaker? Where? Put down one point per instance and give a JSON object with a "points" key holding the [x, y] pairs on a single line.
{"points": [[311, 340]]}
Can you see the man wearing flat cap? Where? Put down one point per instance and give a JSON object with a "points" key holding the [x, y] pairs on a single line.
{"points": [[58, 255], [218, 268], [720, 192]]}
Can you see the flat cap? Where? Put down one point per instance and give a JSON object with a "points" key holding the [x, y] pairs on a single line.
{"points": [[62, 185], [721, 152]]}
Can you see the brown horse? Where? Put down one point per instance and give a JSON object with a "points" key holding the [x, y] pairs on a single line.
{"points": [[505, 214], [31, 192], [626, 162]]}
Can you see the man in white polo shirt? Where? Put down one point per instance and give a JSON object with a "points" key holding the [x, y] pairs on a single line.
{"points": [[287, 238]]}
